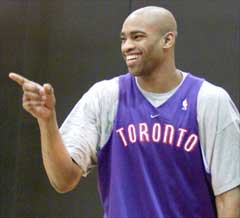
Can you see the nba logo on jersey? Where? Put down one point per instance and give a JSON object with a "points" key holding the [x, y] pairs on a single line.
{"points": [[184, 104]]}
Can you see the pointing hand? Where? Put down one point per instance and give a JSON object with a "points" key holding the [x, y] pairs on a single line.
{"points": [[38, 100]]}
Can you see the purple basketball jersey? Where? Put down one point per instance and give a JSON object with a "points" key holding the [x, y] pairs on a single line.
{"points": [[151, 166]]}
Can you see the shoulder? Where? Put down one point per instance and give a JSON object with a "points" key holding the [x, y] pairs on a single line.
{"points": [[98, 98], [209, 91], [103, 98], [214, 103], [211, 96], [104, 89], [101, 92]]}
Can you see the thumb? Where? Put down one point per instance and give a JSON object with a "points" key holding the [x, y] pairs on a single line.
{"points": [[49, 95], [48, 89]]}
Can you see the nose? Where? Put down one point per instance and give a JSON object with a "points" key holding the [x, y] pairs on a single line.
{"points": [[127, 45]]}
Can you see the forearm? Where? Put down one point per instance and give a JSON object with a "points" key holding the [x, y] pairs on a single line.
{"points": [[62, 172], [39, 101], [228, 204]]}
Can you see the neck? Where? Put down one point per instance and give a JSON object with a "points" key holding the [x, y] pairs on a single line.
{"points": [[161, 80]]}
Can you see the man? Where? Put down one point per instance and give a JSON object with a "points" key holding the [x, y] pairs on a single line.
{"points": [[166, 143]]}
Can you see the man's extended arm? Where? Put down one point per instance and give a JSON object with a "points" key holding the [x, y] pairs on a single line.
{"points": [[228, 204], [39, 101]]}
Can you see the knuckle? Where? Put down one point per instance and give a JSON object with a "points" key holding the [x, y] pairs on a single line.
{"points": [[24, 86], [24, 100], [26, 96], [27, 105]]}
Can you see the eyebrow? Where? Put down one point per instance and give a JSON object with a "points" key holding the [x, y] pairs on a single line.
{"points": [[132, 32]]}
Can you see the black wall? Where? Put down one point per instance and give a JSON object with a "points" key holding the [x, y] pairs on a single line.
{"points": [[72, 44]]}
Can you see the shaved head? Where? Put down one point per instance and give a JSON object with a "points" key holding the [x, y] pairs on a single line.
{"points": [[158, 18], [148, 39]]}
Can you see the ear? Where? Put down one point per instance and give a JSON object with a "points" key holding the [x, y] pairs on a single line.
{"points": [[169, 40]]}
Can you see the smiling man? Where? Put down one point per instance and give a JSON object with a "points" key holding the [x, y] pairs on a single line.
{"points": [[166, 143]]}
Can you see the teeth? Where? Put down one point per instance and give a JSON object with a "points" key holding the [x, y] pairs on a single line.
{"points": [[131, 57]]}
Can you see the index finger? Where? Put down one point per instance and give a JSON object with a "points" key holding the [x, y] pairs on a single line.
{"points": [[18, 78]]}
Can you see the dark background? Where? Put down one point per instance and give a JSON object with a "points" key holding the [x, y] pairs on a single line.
{"points": [[72, 44]]}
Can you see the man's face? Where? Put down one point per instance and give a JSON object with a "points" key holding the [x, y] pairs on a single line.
{"points": [[141, 46]]}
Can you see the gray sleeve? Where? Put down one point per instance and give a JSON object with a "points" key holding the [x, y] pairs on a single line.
{"points": [[218, 120], [88, 126]]}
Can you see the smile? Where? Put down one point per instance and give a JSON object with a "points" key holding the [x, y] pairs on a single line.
{"points": [[132, 59]]}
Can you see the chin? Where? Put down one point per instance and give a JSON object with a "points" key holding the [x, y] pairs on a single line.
{"points": [[136, 73]]}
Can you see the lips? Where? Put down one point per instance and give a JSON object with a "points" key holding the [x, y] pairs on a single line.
{"points": [[132, 59]]}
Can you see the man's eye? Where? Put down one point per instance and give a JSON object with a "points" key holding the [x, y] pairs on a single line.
{"points": [[122, 39], [138, 37]]}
